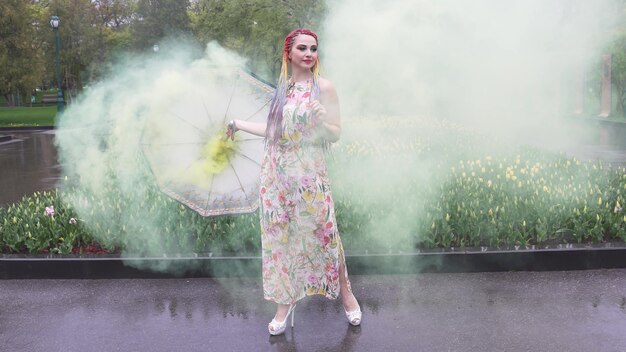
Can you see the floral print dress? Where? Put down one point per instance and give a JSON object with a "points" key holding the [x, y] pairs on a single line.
{"points": [[301, 248]]}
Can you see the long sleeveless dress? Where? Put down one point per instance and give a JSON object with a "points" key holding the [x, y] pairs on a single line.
{"points": [[301, 248]]}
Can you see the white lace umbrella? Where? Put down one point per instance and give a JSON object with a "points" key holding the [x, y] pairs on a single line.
{"points": [[187, 149]]}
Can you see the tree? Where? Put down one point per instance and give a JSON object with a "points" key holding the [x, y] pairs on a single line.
{"points": [[615, 31], [82, 42], [93, 31], [254, 28], [113, 18], [618, 71], [21, 56], [157, 19], [114, 13]]}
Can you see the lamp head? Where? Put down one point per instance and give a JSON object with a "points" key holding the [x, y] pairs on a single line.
{"points": [[54, 22]]}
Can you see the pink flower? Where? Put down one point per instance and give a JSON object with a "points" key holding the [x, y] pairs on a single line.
{"points": [[332, 269], [306, 181], [284, 181], [278, 255], [281, 198], [272, 231], [322, 236], [50, 211]]}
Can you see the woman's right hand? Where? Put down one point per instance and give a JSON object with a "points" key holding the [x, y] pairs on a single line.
{"points": [[255, 128], [231, 128]]}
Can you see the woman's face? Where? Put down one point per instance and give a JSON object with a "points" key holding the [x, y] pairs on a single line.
{"points": [[303, 53]]}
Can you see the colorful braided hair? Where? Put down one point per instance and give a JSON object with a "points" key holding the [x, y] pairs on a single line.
{"points": [[274, 129]]}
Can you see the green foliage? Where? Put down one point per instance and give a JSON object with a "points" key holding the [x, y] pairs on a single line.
{"points": [[82, 42], [93, 33], [21, 57], [26, 227], [255, 28], [157, 19], [118, 40], [618, 72], [118, 215], [463, 192], [35, 116], [531, 199]]}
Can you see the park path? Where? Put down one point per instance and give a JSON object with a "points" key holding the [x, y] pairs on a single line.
{"points": [[504, 311]]}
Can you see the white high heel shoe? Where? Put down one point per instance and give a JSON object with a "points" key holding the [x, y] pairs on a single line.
{"points": [[354, 317], [276, 327]]}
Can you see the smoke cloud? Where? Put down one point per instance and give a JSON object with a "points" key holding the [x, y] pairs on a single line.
{"points": [[407, 73], [150, 104], [499, 65], [415, 76]]}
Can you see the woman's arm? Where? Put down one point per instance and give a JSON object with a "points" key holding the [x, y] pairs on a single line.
{"points": [[256, 128], [327, 111]]}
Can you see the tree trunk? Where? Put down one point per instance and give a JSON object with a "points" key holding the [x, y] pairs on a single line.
{"points": [[10, 99], [622, 97]]}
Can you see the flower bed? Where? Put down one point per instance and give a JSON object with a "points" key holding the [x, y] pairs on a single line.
{"points": [[397, 191]]}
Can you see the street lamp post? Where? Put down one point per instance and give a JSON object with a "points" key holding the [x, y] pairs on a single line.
{"points": [[54, 23]]}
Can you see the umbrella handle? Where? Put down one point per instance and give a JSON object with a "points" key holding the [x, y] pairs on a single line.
{"points": [[231, 129]]}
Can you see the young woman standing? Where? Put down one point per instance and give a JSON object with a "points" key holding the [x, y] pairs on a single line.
{"points": [[301, 248]]}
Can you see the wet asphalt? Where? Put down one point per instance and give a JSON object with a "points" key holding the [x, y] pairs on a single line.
{"points": [[28, 163], [505, 311]]}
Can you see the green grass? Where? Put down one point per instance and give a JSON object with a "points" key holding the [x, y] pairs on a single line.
{"points": [[26, 116]]}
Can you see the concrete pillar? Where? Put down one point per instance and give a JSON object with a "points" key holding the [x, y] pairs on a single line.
{"points": [[605, 110]]}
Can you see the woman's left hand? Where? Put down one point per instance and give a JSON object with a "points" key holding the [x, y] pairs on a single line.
{"points": [[318, 110]]}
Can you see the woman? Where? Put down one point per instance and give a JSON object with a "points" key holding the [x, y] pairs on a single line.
{"points": [[301, 249]]}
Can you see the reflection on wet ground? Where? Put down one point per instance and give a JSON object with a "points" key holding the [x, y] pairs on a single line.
{"points": [[608, 154], [507, 311], [28, 163]]}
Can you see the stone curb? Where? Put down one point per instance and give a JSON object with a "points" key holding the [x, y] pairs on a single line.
{"points": [[25, 128], [558, 258]]}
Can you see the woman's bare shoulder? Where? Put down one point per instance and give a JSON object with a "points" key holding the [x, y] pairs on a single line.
{"points": [[326, 86]]}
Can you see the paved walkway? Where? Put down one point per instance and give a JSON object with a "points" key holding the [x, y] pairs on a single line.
{"points": [[514, 311]]}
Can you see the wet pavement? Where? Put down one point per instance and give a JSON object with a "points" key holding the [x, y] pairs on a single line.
{"points": [[28, 163], [613, 155], [506, 311]]}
